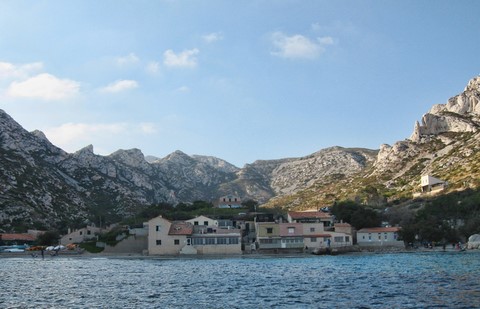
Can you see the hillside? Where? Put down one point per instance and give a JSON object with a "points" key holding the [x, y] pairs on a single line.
{"points": [[42, 186], [446, 145]]}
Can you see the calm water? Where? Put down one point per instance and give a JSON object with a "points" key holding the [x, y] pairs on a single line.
{"points": [[413, 280]]}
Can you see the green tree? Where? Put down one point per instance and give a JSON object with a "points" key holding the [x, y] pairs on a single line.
{"points": [[357, 215], [48, 238]]}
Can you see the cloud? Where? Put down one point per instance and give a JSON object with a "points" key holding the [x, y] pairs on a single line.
{"points": [[44, 86], [129, 59], [67, 133], [183, 89], [298, 46], [74, 136], [120, 85], [153, 67], [148, 127], [326, 40], [184, 59], [12, 71], [212, 37]]}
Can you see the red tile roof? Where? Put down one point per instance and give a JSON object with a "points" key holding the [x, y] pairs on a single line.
{"points": [[19, 237], [379, 230], [181, 228]]}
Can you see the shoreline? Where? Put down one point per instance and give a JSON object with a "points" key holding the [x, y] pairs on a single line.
{"points": [[354, 251]]}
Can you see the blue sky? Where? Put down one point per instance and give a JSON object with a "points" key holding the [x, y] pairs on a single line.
{"points": [[238, 80]]}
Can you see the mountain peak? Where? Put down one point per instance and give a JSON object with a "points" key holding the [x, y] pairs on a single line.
{"points": [[460, 114], [132, 157]]}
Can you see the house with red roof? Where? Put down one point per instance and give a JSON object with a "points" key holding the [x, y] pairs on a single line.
{"points": [[185, 237], [297, 236], [17, 238], [311, 217]]}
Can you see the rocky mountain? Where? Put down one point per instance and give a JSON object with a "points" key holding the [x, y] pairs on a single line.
{"points": [[43, 186], [446, 145]]}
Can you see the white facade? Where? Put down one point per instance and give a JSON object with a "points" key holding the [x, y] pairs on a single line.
{"points": [[80, 235], [203, 220], [379, 236]]}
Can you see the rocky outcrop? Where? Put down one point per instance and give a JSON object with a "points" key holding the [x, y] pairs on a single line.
{"points": [[474, 242], [460, 114]]}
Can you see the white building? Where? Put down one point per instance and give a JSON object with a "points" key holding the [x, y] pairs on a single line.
{"points": [[379, 236], [80, 235], [432, 184]]}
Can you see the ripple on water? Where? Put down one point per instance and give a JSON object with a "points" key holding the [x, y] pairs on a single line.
{"points": [[353, 281]]}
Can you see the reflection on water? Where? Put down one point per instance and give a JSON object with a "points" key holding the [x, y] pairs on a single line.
{"points": [[414, 280]]}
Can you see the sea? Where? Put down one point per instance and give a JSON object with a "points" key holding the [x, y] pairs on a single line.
{"points": [[361, 280]]}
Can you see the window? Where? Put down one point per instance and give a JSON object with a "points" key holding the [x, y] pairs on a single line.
{"points": [[313, 239], [89, 232], [269, 230], [385, 235], [291, 230], [233, 240], [197, 241], [312, 229], [209, 241], [81, 233], [159, 242], [221, 241], [176, 241], [338, 238], [347, 238], [379, 236], [157, 228], [205, 222], [195, 222]]}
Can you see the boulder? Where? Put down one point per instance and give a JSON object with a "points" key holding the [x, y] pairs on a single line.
{"points": [[474, 242]]}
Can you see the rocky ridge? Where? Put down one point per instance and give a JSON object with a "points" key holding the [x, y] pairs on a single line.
{"points": [[446, 145], [43, 186]]}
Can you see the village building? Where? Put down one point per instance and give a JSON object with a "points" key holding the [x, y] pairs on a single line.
{"points": [[191, 237], [311, 217], [203, 220], [17, 238], [300, 236], [80, 235], [431, 184], [379, 236], [229, 201]]}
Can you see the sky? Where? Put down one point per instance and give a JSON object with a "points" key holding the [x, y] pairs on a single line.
{"points": [[238, 80]]}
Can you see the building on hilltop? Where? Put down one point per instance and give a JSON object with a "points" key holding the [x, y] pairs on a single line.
{"points": [[432, 184], [229, 201]]}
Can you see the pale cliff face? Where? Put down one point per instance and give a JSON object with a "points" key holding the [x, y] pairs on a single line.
{"points": [[460, 114]]}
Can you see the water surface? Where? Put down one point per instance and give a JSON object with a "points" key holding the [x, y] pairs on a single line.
{"points": [[400, 280]]}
